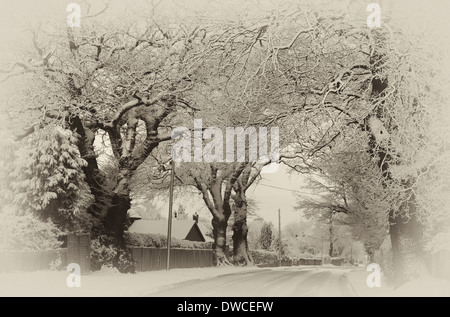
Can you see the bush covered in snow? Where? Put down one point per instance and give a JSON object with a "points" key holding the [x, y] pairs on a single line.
{"points": [[261, 257], [105, 254], [26, 232], [102, 253]]}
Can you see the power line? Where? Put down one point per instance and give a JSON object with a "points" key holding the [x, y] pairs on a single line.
{"points": [[286, 189]]}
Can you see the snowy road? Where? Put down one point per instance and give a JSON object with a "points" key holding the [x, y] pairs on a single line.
{"points": [[288, 282]]}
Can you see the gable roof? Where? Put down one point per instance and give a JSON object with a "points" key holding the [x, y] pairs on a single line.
{"points": [[205, 229], [180, 228]]}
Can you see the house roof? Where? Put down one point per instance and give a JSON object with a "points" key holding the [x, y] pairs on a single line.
{"points": [[134, 214], [180, 228], [205, 229]]}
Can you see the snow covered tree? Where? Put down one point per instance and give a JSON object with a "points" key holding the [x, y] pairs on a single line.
{"points": [[48, 181], [347, 193], [122, 82], [266, 237], [181, 213], [382, 90], [254, 232]]}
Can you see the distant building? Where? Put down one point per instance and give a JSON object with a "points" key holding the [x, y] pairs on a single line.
{"points": [[181, 229], [133, 215]]}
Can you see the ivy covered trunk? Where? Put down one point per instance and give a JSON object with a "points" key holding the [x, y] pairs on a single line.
{"points": [[220, 241], [221, 214], [241, 252]]}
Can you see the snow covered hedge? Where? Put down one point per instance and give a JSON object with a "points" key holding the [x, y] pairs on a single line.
{"points": [[261, 257], [105, 254], [133, 239], [264, 257]]}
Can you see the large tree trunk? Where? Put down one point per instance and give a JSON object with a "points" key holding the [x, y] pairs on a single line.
{"points": [[116, 217], [220, 241], [406, 233], [241, 252], [220, 225], [240, 244], [220, 210], [94, 177], [405, 229], [121, 202], [407, 244]]}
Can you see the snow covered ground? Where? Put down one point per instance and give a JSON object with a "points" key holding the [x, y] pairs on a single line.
{"points": [[429, 287], [111, 283], [102, 283]]}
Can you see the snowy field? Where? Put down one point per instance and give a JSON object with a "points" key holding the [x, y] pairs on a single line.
{"points": [[111, 283]]}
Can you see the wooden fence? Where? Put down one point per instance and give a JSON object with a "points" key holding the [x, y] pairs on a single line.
{"points": [[31, 260], [79, 251], [153, 259]]}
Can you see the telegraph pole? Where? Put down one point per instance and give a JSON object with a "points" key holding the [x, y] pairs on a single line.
{"points": [[351, 253], [322, 250], [169, 224], [279, 237]]}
